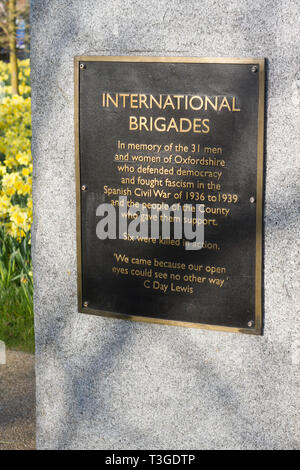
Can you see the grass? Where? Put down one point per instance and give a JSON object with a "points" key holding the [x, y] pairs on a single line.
{"points": [[16, 324], [16, 293]]}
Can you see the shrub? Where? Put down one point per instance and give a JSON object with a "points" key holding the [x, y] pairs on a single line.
{"points": [[16, 287]]}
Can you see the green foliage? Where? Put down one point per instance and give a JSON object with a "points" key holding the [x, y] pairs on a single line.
{"points": [[16, 292]]}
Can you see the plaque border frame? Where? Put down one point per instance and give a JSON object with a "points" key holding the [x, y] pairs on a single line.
{"points": [[258, 327]]}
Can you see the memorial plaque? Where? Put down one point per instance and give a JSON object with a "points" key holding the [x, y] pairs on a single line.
{"points": [[169, 161]]}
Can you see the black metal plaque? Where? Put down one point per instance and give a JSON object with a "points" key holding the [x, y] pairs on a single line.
{"points": [[165, 131]]}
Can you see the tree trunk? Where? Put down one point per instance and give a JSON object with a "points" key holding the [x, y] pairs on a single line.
{"points": [[13, 47]]}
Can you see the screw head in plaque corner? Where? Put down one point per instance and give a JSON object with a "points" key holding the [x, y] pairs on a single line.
{"points": [[82, 66], [250, 323], [85, 304], [84, 187], [254, 68], [252, 199]]}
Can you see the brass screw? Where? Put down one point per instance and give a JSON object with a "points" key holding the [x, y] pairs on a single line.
{"points": [[250, 323], [84, 187], [254, 69], [85, 304], [252, 199], [82, 66]]}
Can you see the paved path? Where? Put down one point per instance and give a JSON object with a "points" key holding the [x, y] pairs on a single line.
{"points": [[17, 402]]}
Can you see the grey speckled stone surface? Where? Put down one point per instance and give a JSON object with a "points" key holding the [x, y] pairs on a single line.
{"points": [[112, 384]]}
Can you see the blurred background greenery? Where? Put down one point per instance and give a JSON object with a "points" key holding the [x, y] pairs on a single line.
{"points": [[16, 287]]}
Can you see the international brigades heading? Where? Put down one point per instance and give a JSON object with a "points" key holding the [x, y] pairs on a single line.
{"points": [[170, 102]]}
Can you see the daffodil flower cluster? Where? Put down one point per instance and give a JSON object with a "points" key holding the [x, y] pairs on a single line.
{"points": [[15, 153]]}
